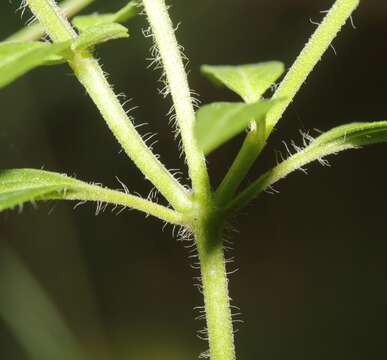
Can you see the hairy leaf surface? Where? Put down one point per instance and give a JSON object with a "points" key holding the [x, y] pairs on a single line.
{"points": [[248, 81]]}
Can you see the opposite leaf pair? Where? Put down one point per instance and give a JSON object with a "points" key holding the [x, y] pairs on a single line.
{"points": [[17, 58], [219, 122]]}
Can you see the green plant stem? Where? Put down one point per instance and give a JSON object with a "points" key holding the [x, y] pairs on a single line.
{"points": [[320, 41], [208, 234], [170, 55], [91, 75], [268, 179], [245, 159], [208, 228], [51, 17], [36, 31], [291, 84], [345, 137], [99, 194]]}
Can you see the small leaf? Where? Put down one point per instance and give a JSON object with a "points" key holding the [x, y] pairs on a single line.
{"points": [[248, 81], [98, 34], [341, 138], [219, 122], [84, 22], [17, 58]]}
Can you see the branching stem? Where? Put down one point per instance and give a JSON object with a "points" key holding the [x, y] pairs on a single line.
{"points": [[291, 84], [91, 75]]}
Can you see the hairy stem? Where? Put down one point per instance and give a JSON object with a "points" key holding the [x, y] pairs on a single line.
{"points": [[118, 198], [52, 18], [35, 31], [310, 56], [291, 84], [245, 159], [171, 58], [345, 137], [208, 228], [91, 75], [208, 234]]}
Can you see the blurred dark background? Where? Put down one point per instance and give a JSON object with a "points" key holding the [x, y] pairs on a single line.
{"points": [[312, 260]]}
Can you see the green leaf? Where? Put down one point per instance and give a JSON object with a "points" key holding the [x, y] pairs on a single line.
{"points": [[98, 34], [342, 138], [351, 136], [20, 186], [84, 22], [248, 81], [219, 122], [17, 58]]}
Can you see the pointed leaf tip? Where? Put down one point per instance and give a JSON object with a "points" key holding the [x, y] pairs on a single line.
{"points": [[249, 81]]}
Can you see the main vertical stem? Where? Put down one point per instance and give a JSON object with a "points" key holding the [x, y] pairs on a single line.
{"points": [[208, 235], [209, 224]]}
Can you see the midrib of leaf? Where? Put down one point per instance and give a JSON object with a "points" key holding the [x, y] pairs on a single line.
{"points": [[247, 85], [226, 118]]}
